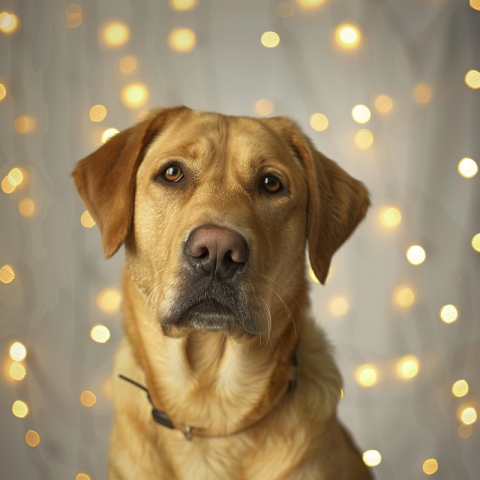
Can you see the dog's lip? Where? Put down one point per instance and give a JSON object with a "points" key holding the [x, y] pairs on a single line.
{"points": [[206, 303]]}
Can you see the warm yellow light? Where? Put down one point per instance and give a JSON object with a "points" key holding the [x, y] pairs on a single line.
{"points": [[3, 91], [32, 438], [100, 334], [416, 254], [404, 297], [422, 94], [17, 371], [338, 306], [17, 176], [460, 388], [312, 276], [430, 466], [467, 167], [24, 124], [109, 300], [347, 36], [363, 139], [6, 274], [73, 14], [361, 113], [108, 134], [383, 103], [82, 476], [408, 367], [8, 184], [26, 207], [87, 220], [264, 107], [449, 313], [270, 39], [307, 4], [115, 34], [182, 5], [390, 217], [319, 122], [128, 64], [285, 10], [18, 351], [476, 242], [465, 431], [88, 399], [342, 393], [98, 113], [366, 375], [20, 409], [468, 416], [371, 458], [9, 23], [472, 79], [135, 95], [475, 4], [182, 40]]}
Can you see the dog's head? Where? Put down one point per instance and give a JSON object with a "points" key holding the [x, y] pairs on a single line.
{"points": [[215, 211]]}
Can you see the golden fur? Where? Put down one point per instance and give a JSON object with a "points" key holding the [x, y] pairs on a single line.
{"points": [[216, 381]]}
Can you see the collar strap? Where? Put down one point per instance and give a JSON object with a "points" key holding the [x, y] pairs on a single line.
{"points": [[189, 432]]}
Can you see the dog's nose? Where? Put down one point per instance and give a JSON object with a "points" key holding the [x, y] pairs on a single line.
{"points": [[213, 249]]}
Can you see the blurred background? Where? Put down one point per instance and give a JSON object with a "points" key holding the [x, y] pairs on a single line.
{"points": [[390, 89]]}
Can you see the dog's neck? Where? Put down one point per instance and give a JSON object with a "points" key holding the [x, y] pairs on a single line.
{"points": [[207, 380]]}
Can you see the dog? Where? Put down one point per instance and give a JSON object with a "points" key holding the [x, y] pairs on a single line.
{"points": [[224, 373]]}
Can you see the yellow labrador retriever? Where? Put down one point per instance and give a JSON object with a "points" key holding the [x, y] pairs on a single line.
{"points": [[225, 374]]}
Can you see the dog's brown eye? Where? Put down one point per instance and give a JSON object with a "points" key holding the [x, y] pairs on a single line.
{"points": [[173, 174], [271, 184]]}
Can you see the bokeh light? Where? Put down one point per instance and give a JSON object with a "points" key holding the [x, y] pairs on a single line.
{"points": [[32, 438], [108, 134], [422, 94], [135, 95], [363, 139], [366, 375], [472, 79], [285, 10], [338, 306], [390, 217], [371, 458], [128, 64], [73, 14], [361, 113], [17, 371], [6, 274], [347, 36], [8, 184], [430, 466], [416, 254], [24, 124], [460, 388], [449, 313], [182, 5], [476, 242], [18, 351], [465, 431], [312, 276], [408, 367], [270, 40], [9, 23], [20, 409], [98, 113], [87, 220], [404, 297], [467, 167], [383, 103], [3, 91], [475, 4], [308, 4], [17, 176], [109, 300], [468, 416], [115, 34], [319, 122], [100, 334], [182, 40], [88, 398], [264, 107], [82, 476], [26, 207]]}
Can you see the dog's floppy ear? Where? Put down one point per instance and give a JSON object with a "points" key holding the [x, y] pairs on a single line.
{"points": [[105, 180], [337, 202]]}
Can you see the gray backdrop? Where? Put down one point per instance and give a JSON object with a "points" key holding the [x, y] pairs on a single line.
{"points": [[56, 74]]}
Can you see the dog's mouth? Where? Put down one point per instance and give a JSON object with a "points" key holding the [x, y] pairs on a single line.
{"points": [[210, 316]]}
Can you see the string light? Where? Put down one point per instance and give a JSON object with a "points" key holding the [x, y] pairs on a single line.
{"points": [[3, 91], [17, 371], [182, 5], [32, 438], [18, 351], [319, 122], [390, 217], [371, 458], [467, 167], [9, 23], [26, 207], [460, 388], [430, 466], [363, 139], [128, 64], [347, 36], [24, 124], [264, 107], [6, 274], [109, 300], [468, 416], [270, 40], [422, 94], [338, 306], [408, 367], [449, 313], [98, 113], [475, 4], [182, 40], [135, 95], [472, 79], [100, 334], [404, 297], [285, 10], [87, 220], [87, 398], [20, 409], [308, 4], [366, 375], [8, 185], [115, 34], [361, 113], [383, 103], [476, 242], [416, 255], [465, 431], [73, 14], [108, 134]]}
